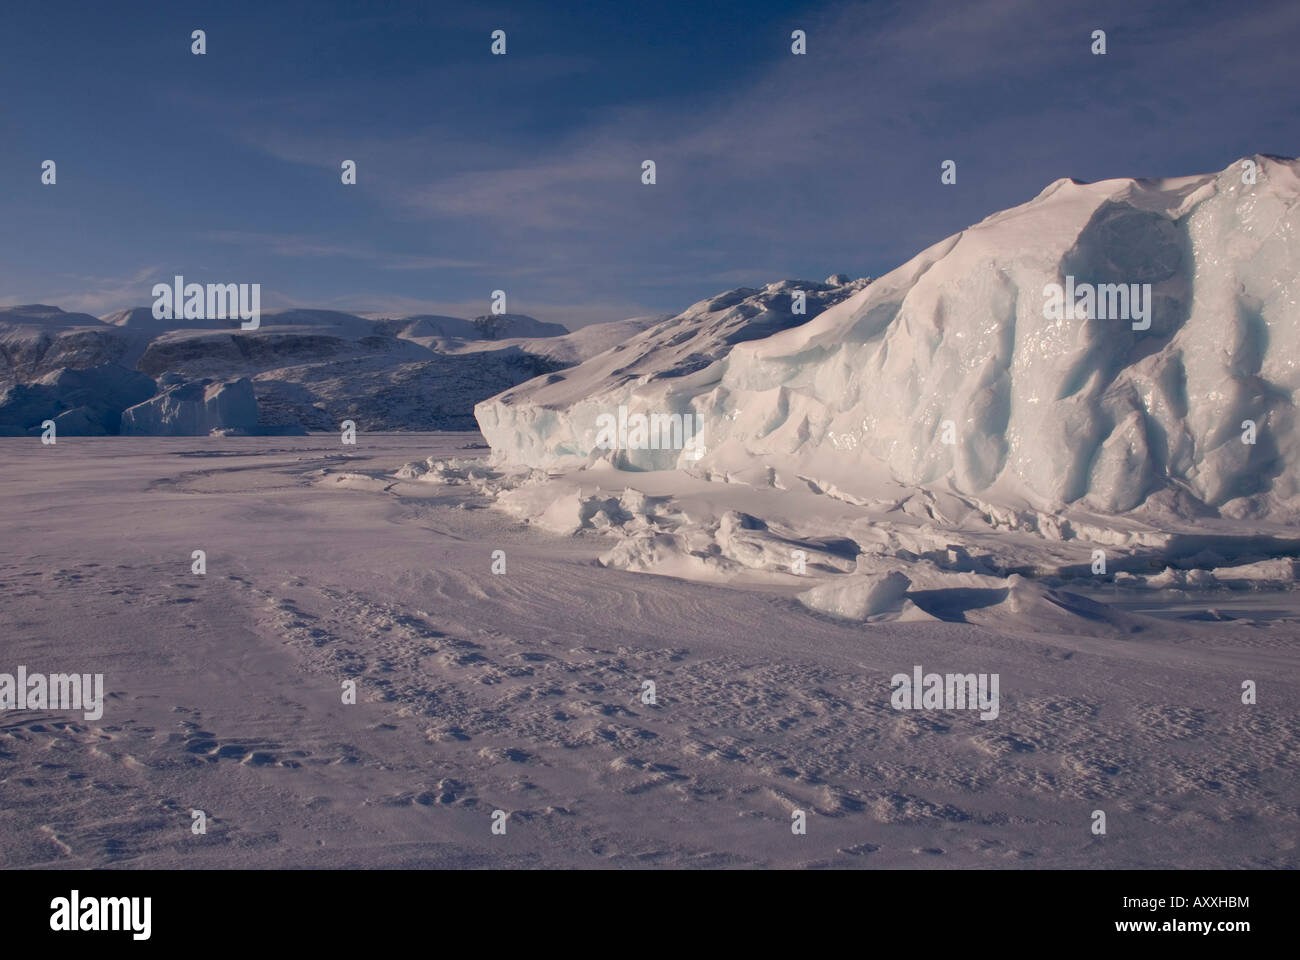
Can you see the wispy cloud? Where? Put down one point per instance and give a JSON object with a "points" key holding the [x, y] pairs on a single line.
{"points": [[300, 246], [94, 295], [523, 172], [824, 151]]}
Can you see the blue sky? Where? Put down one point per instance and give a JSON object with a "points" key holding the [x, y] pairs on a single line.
{"points": [[522, 172]]}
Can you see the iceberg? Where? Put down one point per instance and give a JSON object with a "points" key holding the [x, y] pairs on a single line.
{"points": [[957, 373]]}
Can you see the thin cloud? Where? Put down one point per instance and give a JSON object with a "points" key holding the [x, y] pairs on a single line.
{"points": [[299, 246]]}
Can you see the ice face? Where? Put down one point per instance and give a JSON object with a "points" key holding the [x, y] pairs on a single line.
{"points": [[1166, 362], [657, 373]]}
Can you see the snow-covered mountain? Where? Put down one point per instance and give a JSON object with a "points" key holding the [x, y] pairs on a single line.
{"points": [[962, 370], [430, 327], [309, 369]]}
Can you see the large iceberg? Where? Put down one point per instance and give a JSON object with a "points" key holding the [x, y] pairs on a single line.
{"points": [[1170, 386], [193, 409]]}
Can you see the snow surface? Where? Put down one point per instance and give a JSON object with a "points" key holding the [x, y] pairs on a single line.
{"points": [[522, 691]]}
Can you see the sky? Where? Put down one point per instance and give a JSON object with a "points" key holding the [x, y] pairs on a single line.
{"points": [[523, 172]]}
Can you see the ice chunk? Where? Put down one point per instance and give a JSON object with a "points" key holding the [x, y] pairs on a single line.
{"points": [[858, 596], [195, 409]]}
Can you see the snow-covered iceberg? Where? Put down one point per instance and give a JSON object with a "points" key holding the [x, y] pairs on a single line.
{"points": [[193, 409], [1095, 386], [959, 372]]}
